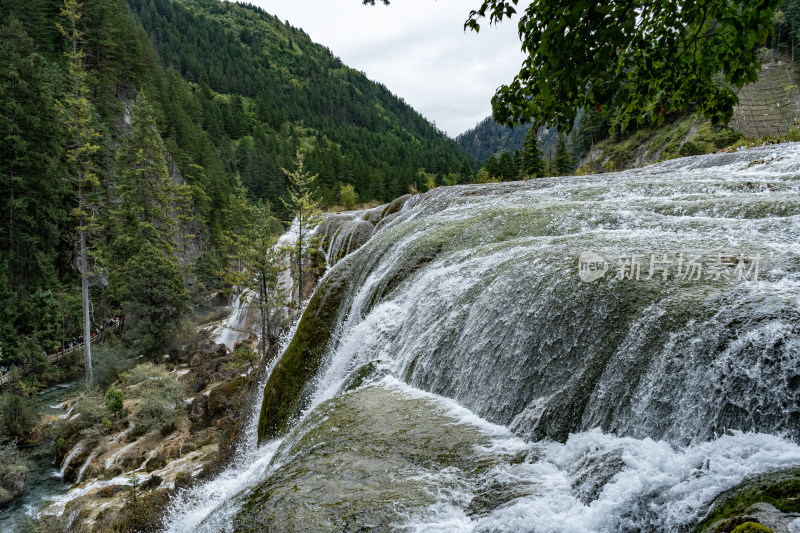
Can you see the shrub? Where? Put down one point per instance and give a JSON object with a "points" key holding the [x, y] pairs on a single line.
{"points": [[348, 195], [89, 423], [693, 148], [109, 363], [794, 134], [161, 396], [114, 399], [17, 417], [13, 474], [46, 524], [143, 372], [243, 357], [719, 137]]}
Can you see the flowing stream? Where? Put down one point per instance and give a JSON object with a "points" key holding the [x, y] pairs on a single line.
{"points": [[45, 478], [601, 353]]}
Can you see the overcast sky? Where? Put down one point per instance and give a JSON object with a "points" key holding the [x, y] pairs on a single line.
{"points": [[417, 48]]}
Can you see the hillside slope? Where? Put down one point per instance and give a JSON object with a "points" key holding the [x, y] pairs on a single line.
{"points": [[356, 130], [488, 138], [768, 111]]}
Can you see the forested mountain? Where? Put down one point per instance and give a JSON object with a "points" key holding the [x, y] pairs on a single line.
{"points": [[132, 125], [488, 138], [265, 87]]}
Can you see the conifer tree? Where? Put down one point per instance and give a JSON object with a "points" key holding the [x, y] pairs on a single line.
{"points": [[144, 187], [564, 161], [184, 207], [77, 112], [532, 164], [508, 170], [493, 167], [465, 174], [263, 262], [31, 186], [237, 229], [302, 205], [518, 161]]}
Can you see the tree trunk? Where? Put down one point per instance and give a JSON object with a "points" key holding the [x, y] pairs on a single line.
{"points": [[87, 326], [11, 230]]}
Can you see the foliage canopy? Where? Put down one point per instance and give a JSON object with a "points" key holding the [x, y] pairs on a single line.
{"points": [[641, 58]]}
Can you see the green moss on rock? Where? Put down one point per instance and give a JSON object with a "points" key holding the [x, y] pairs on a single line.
{"points": [[283, 394], [395, 206], [358, 377], [364, 461], [780, 489], [752, 527]]}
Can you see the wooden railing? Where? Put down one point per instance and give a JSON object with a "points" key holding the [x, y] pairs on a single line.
{"points": [[17, 373]]}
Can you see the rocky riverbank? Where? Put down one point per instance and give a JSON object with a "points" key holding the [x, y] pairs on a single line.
{"points": [[176, 424]]}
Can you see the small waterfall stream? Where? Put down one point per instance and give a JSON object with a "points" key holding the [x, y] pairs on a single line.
{"points": [[586, 354], [78, 448], [234, 328]]}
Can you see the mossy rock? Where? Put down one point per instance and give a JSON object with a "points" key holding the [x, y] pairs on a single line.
{"points": [[13, 479], [780, 489], [284, 392], [395, 205], [360, 376], [224, 397], [364, 461], [751, 527]]}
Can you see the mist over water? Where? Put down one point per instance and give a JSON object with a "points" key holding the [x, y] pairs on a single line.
{"points": [[622, 404]]}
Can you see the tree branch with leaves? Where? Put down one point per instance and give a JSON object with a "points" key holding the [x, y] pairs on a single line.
{"points": [[639, 58]]}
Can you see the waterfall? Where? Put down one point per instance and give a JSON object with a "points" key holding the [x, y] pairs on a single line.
{"points": [[78, 448], [86, 464], [235, 326], [249, 464], [613, 351]]}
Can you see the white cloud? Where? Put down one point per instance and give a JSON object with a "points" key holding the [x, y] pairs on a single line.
{"points": [[417, 48]]}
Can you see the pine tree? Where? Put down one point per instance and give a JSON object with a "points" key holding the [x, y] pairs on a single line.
{"points": [[263, 263], [154, 298], [493, 167], [532, 164], [302, 205], [233, 242], [31, 186], [518, 161], [77, 112], [144, 187], [564, 161], [465, 174], [508, 170]]}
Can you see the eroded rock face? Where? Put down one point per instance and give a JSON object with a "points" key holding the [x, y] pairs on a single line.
{"points": [[103, 468], [772, 500]]}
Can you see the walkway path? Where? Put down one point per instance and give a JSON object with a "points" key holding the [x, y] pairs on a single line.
{"points": [[55, 358]]}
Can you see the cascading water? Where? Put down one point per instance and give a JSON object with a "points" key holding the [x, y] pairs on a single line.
{"points": [[600, 353], [235, 326], [78, 448], [249, 465]]}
